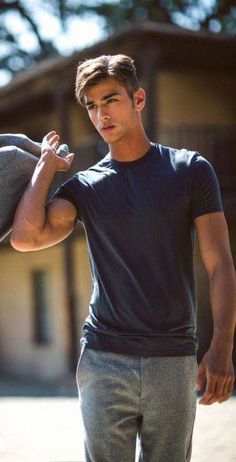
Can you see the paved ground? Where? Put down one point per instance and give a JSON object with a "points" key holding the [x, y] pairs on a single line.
{"points": [[45, 426]]}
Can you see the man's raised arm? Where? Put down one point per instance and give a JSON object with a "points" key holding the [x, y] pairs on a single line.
{"points": [[37, 226]]}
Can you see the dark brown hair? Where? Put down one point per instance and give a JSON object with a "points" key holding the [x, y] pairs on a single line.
{"points": [[119, 67]]}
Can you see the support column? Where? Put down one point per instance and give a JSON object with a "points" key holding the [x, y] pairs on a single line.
{"points": [[148, 68], [62, 108]]}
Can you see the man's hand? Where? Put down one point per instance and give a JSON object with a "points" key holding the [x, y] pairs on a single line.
{"points": [[37, 226], [216, 371], [49, 147]]}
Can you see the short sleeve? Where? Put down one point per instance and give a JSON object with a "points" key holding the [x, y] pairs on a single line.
{"points": [[205, 189], [71, 191]]}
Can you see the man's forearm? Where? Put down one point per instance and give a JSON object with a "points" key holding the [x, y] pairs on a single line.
{"points": [[223, 304], [30, 215]]}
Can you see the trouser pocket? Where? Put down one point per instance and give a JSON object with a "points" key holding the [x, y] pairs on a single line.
{"points": [[78, 368]]}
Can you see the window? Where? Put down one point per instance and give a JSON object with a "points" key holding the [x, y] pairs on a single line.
{"points": [[41, 307]]}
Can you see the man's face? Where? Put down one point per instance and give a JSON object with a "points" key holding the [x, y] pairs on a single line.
{"points": [[111, 110]]}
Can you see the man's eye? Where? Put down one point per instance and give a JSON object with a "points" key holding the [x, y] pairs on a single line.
{"points": [[90, 108], [111, 100]]}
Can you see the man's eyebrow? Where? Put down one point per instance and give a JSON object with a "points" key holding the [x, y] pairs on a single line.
{"points": [[109, 95]]}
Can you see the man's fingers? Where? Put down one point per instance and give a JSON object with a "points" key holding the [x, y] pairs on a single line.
{"points": [[70, 156], [219, 390], [220, 376], [50, 141], [231, 386], [201, 378], [65, 162], [210, 389], [55, 145], [227, 390], [47, 138], [50, 135], [54, 141], [221, 387], [51, 138]]}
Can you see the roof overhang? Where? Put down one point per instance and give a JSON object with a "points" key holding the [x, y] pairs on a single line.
{"points": [[166, 45]]}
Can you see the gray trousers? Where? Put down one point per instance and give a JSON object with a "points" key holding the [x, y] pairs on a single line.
{"points": [[124, 398]]}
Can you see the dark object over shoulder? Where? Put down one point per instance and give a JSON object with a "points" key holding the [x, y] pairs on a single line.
{"points": [[18, 158]]}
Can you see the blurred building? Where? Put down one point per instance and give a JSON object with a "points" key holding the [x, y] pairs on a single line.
{"points": [[190, 79]]}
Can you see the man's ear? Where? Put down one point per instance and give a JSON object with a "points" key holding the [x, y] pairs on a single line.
{"points": [[139, 98]]}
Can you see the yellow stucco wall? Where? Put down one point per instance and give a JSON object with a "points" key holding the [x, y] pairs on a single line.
{"points": [[195, 97], [33, 125], [19, 354], [80, 125], [83, 285]]}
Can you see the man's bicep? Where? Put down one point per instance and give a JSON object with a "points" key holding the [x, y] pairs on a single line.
{"points": [[60, 212], [60, 220], [213, 238]]}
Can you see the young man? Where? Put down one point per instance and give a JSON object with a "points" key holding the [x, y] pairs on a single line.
{"points": [[140, 206]]}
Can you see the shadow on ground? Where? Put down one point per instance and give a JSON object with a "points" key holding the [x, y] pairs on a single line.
{"points": [[12, 386]]}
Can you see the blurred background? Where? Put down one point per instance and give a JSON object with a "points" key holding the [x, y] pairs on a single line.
{"points": [[185, 54]]}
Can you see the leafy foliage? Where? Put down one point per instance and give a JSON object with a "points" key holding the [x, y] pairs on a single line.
{"points": [[23, 40]]}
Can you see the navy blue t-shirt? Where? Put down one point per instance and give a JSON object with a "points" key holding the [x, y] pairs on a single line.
{"points": [[138, 219]]}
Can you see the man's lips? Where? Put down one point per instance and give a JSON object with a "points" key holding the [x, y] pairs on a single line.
{"points": [[107, 128]]}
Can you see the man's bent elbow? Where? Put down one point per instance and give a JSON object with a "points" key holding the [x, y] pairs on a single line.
{"points": [[21, 246], [20, 243]]}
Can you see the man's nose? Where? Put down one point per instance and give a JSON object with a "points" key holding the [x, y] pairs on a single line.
{"points": [[103, 113]]}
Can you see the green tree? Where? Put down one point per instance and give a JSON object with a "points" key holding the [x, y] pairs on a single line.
{"points": [[25, 18]]}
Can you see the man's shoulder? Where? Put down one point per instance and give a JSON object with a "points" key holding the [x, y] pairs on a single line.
{"points": [[177, 157], [93, 174]]}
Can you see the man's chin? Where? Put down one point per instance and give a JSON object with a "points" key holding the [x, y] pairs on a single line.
{"points": [[109, 138]]}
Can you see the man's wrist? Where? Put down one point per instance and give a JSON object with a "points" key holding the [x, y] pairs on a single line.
{"points": [[48, 158], [48, 164], [222, 344]]}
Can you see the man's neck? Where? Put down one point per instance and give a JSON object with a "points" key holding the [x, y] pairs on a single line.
{"points": [[130, 149]]}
